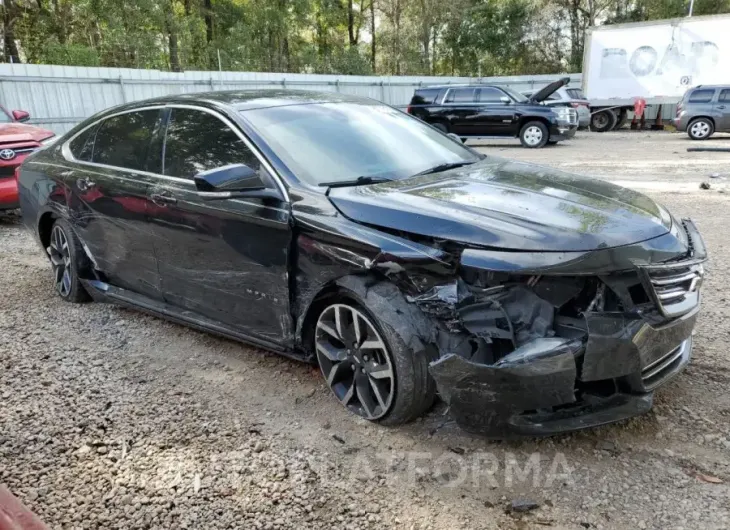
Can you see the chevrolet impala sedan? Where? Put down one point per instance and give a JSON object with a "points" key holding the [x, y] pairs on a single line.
{"points": [[343, 232]]}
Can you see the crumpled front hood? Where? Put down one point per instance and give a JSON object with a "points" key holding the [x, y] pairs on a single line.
{"points": [[510, 205]]}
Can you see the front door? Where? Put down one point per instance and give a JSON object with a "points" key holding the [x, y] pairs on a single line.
{"points": [[108, 183], [492, 116], [224, 260]]}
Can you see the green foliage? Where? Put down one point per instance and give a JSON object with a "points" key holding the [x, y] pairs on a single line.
{"points": [[411, 37]]}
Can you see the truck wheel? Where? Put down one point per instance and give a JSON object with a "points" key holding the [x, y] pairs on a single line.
{"points": [[603, 120], [441, 127], [534, 134], [700, 129]]}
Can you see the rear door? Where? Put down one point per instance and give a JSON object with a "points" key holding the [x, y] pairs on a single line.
{"points": [[459, 106], [108, 184], [224, 260], [722, 111]]}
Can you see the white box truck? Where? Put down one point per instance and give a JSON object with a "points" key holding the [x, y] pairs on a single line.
{"points": [[656, 61]]}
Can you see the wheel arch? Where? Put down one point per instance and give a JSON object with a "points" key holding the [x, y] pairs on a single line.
{"points": [[45, 224], [367, 290], [524, 120], [700, 117]]}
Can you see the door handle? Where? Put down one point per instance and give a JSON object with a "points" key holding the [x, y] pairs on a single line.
{"points": [[84, 184], [162, 199], [721, 106]]}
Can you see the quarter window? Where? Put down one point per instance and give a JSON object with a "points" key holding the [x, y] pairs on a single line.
{"points": [[461, 95], [724, 96], [701, 96], [124, 140], [83, 145], [198, 141]]}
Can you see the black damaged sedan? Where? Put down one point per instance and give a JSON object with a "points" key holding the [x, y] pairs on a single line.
{"points": [[341, 231]]}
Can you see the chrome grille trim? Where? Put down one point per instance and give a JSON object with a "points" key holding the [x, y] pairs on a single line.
{"points": [[667, 366], [674, 287]]}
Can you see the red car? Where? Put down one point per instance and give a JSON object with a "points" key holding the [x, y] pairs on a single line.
{"points": [[17, 141]]}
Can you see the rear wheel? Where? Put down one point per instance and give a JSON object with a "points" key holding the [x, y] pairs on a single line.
{"points": [[700, 129], [534, 134], [67, 259], [603, 120], [369, 367], [441, 127]]}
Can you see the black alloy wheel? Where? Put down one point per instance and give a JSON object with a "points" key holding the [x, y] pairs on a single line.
{"points": [[355, 361], [67, 258], [61, 261]]}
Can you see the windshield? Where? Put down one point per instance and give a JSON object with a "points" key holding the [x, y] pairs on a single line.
{"points": [[333, 142], [519, 98]]}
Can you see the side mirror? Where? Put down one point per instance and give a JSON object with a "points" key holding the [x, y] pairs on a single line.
{"points": [[20, 115], [455, 137], [505, 100], [235, 181]]}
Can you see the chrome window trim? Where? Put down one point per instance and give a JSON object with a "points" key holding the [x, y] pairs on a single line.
{"points": [[476, 103], [68, 155]]}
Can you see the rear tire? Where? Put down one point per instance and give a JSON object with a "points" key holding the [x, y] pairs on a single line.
{"points": [[67, 259], [534, 134], [603, 120], [441, 127], [700, 128]]}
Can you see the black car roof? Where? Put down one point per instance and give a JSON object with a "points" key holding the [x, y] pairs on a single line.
{"points": [[456, 86], [242, 100]]}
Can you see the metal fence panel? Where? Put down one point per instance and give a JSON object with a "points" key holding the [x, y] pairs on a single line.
{"points": [[58, 97]]}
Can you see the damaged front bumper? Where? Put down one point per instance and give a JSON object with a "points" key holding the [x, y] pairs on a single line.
{"points": [[556, 387], [598, 365]]}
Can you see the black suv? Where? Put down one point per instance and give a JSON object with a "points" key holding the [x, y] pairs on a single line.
{"points": [[473, 111]]}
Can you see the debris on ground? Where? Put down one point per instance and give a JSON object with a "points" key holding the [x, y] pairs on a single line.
{"points": [[523, 505]]}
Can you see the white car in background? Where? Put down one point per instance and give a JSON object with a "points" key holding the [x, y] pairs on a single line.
{"points": [[572, 97]]}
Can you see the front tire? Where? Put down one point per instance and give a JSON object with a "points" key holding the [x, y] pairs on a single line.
{"points": [[67, 259], [368, 366], [534, 134], [700, 129]]}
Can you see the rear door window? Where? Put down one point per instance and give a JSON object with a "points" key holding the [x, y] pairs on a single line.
{"points": [[461, 95], [124, 140], [197, 141], [701, 96]]}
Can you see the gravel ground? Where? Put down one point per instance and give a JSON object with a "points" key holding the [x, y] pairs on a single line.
{"points": [[110, 418]]}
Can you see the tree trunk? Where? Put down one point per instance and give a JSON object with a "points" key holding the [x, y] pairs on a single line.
{"points": [[10, 48], [372, 34], [351, 23], [208, 5], [172, 38]]}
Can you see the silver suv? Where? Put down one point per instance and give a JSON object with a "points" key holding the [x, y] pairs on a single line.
{"points": [[569, 97], [703, 111]]}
